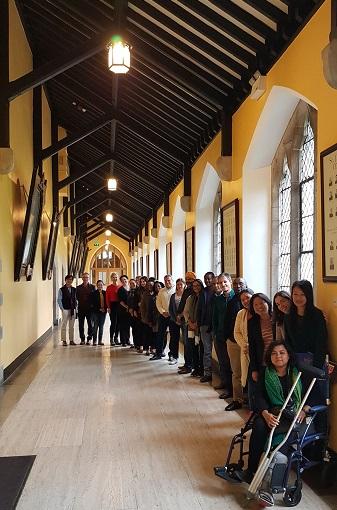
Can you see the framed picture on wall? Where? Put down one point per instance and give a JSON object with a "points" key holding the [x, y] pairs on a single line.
{"points": [[169, 258], [156, 264], [329, 213], [230, 238], [189, 249], [141, 266], [148, 266]]}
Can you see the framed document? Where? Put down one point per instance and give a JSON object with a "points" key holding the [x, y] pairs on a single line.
{"points": [[189, 249], [329, 213], [169, 258], [156, 264], [230, 238]]}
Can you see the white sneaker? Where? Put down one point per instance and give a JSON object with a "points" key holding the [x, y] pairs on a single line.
{"points": [[173, 361]]}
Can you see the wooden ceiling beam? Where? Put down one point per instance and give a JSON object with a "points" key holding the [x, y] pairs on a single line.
{"points": [[59, 65]]}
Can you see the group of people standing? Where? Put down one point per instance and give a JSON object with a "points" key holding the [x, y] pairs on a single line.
{"points": [[217, 311]]}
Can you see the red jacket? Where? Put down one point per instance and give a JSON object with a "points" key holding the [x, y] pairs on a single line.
{"points": [[111, 294]]}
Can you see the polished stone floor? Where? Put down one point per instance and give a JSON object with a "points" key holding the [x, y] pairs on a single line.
{"points": [[112, 430]]}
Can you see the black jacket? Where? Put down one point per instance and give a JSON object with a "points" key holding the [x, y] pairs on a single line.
{"points": [[233, 307], [256, 344], [95, 303], [307, 334], [205, 309]]}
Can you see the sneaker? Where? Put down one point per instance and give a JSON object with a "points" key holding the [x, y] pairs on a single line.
{"points": [[64, 343], [173, 361], [206, 378]]}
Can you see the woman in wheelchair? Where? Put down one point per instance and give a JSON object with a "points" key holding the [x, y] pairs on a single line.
{"points": [[274, 383]]}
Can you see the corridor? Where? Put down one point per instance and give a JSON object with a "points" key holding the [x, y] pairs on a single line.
{"points": [[114, 431]]}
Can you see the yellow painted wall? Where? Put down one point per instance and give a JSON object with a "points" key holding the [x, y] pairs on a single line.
{"points": [[27, 310]]}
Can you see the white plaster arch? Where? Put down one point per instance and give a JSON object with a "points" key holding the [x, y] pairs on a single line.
{"points": [[178, 241], [162, 251], [204, 221], [256, 185]]}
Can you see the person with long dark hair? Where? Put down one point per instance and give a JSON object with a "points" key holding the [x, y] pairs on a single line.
{"points": [[175, 301], [260, 331], [305, 325], [275, 380], [191, 318], [281, 307], [123, 314], [260, 336], [153, 313]]}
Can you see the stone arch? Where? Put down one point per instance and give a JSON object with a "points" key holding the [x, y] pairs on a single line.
{"points": [[256, 185], [114, 262], [204, 220]]}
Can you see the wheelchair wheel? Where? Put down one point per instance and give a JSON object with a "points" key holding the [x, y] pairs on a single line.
{"points": [[293, 495]]}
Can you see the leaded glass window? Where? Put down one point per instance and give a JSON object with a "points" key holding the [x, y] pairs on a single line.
{"points": [[307, 199], [284, 227], [296, 203]]}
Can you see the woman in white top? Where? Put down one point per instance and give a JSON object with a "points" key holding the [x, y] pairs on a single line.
{"points": [[241, 333]]}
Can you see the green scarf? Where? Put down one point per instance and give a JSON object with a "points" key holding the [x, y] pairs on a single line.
{"points": [[274, 388], [276, 397]]}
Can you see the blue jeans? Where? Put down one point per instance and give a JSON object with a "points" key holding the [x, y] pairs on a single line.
{"points": [[98, 323]]}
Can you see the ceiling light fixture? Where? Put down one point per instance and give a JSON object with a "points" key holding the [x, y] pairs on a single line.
{"points": [[109, 217], [118, 55], [108, 233], [112, 184]]}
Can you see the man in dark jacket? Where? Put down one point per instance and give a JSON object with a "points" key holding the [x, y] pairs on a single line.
{"points": [[83, 292], [220, 326], [186, 368], [204, 320], [98, 311], [66, 300]]}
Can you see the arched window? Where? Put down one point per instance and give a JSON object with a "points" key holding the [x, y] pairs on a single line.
{"points": [[307, 201], [284, 228], [217, 247], [294, 201], [105, 261]]}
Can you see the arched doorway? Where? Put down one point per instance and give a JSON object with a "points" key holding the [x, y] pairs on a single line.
{"points": [[108, 259]]}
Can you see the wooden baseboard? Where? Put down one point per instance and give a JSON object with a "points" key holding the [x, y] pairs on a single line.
{"points": [[8, 371]]}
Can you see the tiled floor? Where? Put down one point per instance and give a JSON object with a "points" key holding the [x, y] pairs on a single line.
{"points": [[112, 430]]}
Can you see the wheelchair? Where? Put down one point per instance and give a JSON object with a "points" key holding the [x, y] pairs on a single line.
{"points": [[280, 473]]}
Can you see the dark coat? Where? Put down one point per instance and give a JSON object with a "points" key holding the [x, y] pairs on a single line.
{"points": [[95, 303], [256, 344], [307, 334]]}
